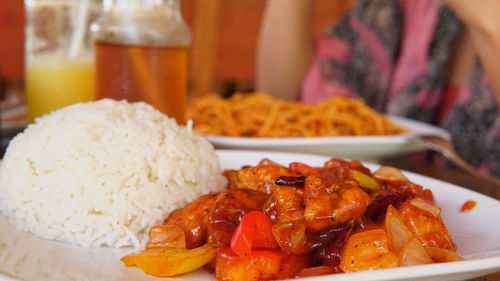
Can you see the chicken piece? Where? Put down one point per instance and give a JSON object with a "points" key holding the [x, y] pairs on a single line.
{"points": [[285, 204], [191, 219], [292, 236], [329, 203], [232, 178], [267, 162], [286, 208], [338, 169], [227, 211], [260, 178], [427, 225], [367, 250]]}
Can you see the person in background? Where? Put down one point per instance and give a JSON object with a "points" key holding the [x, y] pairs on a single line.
{"points": [[429, 60]]}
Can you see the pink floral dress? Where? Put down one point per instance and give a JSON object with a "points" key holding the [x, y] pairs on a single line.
{"points": [[395, 54]]}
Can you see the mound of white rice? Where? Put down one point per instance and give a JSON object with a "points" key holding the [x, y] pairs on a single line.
{"points": [[102, 173]]}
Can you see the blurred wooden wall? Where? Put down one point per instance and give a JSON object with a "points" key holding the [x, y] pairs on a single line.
{"points": [[11, 39], [223, 51], [225, 37]]}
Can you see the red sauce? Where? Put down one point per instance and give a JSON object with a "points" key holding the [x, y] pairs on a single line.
{"points": [[468, 206]]}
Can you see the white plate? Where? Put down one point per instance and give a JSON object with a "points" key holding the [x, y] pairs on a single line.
{"points": [[25, 257], [353, 147]]}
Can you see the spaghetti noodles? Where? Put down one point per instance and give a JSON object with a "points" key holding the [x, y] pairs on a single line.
{"points": [[261, 115]]}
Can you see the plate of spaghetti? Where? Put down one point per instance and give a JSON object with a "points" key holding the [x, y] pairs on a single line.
{"points": [[339, 126]]}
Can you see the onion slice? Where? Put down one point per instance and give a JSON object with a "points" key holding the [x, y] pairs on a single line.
{"points": [[397, 233], [389, 174], [413, 253], [426, 206]]}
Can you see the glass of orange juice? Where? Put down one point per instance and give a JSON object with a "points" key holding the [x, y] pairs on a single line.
{"points": [[59, 51]]}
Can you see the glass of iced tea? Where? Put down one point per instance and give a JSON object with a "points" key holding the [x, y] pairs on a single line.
{"points": [[59, 67], [142, 54]]}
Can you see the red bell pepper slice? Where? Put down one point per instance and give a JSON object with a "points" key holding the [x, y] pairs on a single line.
{"points": [[302, 169], [253, 232]]}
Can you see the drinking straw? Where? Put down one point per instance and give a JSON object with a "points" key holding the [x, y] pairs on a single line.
{"points": [[139, 62], [146, 80], [128, 21], [81, 28]]}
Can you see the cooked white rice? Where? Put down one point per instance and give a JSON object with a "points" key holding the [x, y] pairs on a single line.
{"points": [[102, 173]]}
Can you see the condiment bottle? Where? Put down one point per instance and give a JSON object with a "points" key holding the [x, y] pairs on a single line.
{"points": [[142, 54]]}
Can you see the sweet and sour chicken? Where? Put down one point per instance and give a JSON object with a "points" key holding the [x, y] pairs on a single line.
{"points": [[276, 222]]}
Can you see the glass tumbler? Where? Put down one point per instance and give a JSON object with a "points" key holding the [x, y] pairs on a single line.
{"points": [[59, 52], [142, 54]]}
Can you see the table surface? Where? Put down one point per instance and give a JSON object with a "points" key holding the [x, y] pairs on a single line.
{"points": [[451, 175]]}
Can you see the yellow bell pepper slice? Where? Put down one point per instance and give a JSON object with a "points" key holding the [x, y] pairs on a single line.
{"points": [[364, 180], [165, 262]]}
